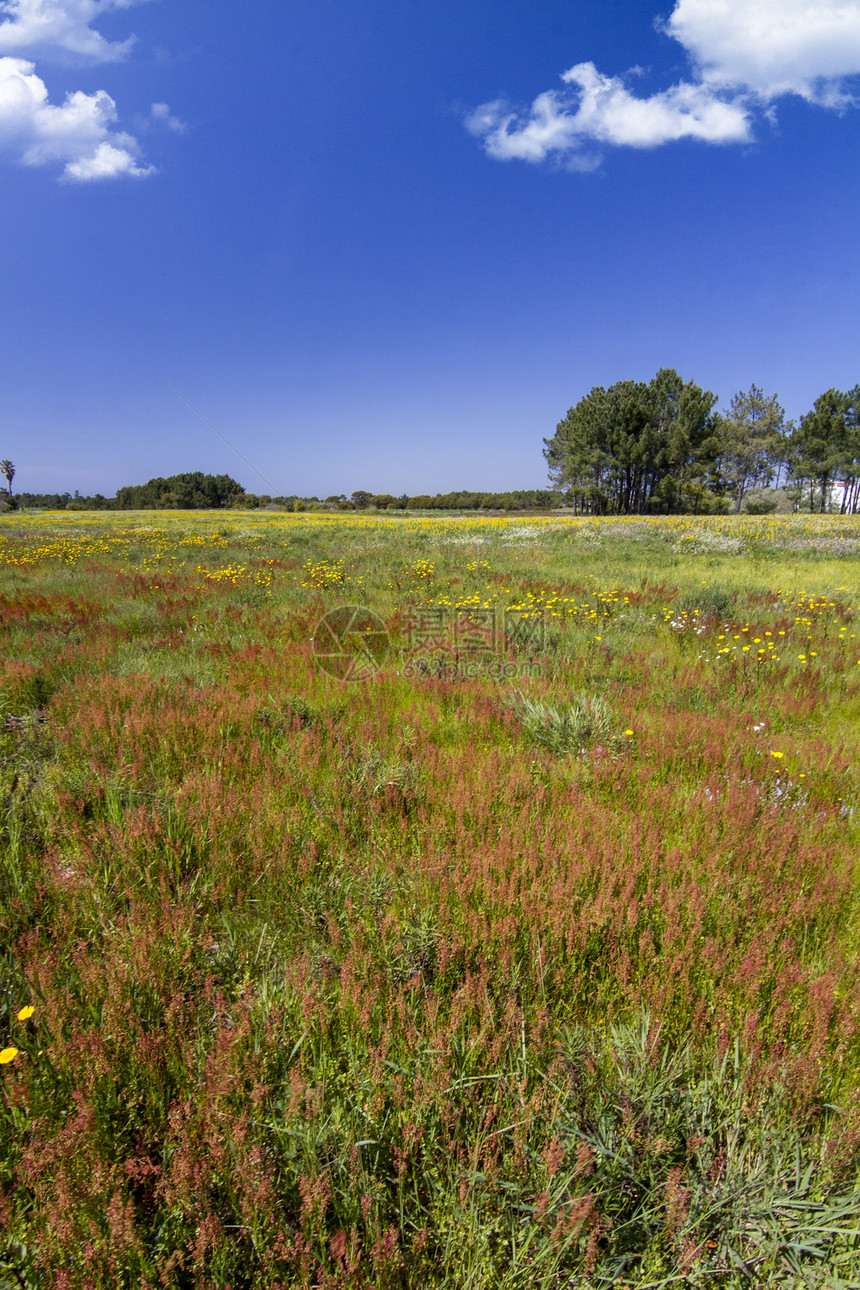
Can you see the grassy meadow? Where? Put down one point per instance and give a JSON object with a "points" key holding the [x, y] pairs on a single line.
{"points": [[518, 947]]}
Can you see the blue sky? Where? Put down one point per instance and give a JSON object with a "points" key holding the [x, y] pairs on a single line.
{"points": [[387, 246]]}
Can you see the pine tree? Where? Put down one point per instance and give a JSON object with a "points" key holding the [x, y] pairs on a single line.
{"points": [[751, 436]]}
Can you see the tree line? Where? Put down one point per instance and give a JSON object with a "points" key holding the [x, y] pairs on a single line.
{"points": [[198, 491], [661, 447]]}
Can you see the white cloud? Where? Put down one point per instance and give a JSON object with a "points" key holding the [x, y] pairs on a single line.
{"points": [[78, 133], [61, 29], [600, 109], [162, 115], [744, 55], [772, 47], [107, 162]]}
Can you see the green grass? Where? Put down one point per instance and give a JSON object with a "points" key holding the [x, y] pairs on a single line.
{"points": [[529, 961]]}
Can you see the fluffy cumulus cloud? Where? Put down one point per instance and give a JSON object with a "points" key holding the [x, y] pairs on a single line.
{"points": [[771, 48], [81, 132], [600, 109], [61, 29], [744, 55]]}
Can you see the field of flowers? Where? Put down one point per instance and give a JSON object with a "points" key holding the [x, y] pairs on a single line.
{"points": [[429, 902]]}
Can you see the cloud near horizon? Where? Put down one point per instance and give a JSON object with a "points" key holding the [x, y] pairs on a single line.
{"points": [[744, 55], [80, 133]]}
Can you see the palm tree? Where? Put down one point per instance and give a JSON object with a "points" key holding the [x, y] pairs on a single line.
{"points": [[7, 469]]}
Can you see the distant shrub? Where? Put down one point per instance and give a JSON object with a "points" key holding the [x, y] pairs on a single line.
{"points": [[712, 505], [761, 501]]}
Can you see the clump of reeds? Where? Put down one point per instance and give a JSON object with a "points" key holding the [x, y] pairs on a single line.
{"points": [[584, 722]]}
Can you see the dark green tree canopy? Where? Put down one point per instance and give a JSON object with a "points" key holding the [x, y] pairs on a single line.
{"points": [[661, 448], [752, 441], [823, 448], [637, 447], [193, 491]]}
